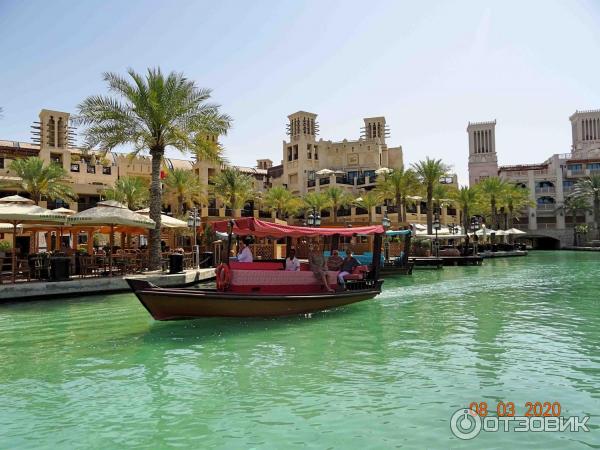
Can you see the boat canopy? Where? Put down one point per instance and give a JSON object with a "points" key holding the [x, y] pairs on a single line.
{"points": [[251, 226]]}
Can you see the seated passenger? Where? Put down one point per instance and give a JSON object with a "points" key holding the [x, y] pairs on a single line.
{"points": [[291, 262], [318, 266], [335, 261], [245, 254], [348, 265]]}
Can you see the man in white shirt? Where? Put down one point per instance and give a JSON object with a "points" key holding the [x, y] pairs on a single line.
{"points": [[245, 254], [291, 262]]}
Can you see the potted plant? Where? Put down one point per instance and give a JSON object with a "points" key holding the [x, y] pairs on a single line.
{"points": [[4, 247], [421, 247]]}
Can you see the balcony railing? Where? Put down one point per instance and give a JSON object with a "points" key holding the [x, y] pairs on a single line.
{"points": [[323, 181], [213, 212], [247, 213], [547, 226], [311, 183], [546, 207], [545, 190]]}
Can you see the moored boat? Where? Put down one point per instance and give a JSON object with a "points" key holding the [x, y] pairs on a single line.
{"points": [[172, 304], [265, 289]]}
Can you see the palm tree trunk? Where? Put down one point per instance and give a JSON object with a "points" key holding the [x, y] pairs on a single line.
{"points": [[334, 214], [155, 204], [180, 200], [430, 209], [575, 228], [597, 214], [465, 224], [494, 214], [399, 208]]}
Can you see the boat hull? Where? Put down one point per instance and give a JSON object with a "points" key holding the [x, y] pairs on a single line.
{"points": [[177, 304]]}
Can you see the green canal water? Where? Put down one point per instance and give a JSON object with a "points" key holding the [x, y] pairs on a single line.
{"points": [[98, 372]]}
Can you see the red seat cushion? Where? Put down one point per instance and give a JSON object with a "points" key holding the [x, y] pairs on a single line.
{"points": [[255, 265], [358, 273]]}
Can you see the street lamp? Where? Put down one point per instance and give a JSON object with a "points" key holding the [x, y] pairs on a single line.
{"points": [[436, 227], [314, 219], [386, 222], [475, 225], [194, 223], [453, 228]]}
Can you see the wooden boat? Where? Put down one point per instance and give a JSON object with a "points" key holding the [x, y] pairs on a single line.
{"points": [[172, 304], [264, 289]]}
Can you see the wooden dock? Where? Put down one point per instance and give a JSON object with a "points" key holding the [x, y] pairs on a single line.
{"points": [[431, 262]]}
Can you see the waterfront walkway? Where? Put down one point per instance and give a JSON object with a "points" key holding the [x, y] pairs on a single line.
{"points": [[92, 286]]}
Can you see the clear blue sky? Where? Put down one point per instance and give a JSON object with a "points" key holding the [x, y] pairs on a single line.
{"points": [[429, 67]]}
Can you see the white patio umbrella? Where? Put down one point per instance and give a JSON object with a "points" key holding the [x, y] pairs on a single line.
{"points": [[111, 212], [17, 210], [64, 211], [165, 221], [325, 172], [383, 170], [515, 231]]}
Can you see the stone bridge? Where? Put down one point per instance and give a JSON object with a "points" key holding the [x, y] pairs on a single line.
{"points": [[549, 238]]}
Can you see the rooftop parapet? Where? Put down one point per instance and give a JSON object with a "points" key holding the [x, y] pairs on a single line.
{"points": [[490, 122], [584, 111]]}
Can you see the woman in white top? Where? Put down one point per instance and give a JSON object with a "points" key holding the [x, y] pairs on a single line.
{"points": [[291, 262], [245, 254]]}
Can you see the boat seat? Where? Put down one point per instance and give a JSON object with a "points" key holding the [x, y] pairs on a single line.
{"points": [[256, 265], [359, 273], [278, 281]]}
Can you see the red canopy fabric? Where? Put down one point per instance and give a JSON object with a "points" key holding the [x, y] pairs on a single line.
{"points": [[255, 227]]}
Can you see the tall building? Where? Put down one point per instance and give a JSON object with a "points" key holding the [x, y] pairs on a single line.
{"points": [[91, 173], [483, 161], [548, 183], [352, 162], [585, 128], [314, 165]]}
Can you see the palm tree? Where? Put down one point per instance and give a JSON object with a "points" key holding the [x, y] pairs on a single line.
{"points": [[232, 187], [368, 201], [429, 173], [152, 112], [132, 191], [317, 201], [513, 198], [282, 201], [590, 190], [185, 185], [492, 189], [337, 198], [466, 198], [443, 195], [396, 186], [573, 206], [42, 181]]}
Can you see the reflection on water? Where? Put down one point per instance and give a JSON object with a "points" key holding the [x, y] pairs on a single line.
{"points": [[100, 372]]}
